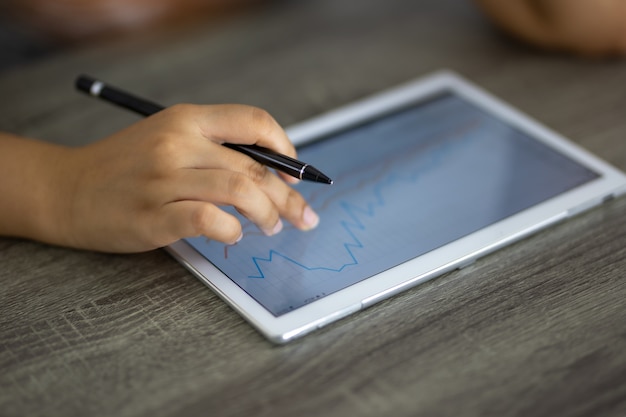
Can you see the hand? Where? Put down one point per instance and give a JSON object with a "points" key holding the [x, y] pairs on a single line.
{"points": [[585, 27], [165, 177]]}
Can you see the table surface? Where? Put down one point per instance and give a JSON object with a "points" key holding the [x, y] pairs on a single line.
{"points": [[537, 328]]}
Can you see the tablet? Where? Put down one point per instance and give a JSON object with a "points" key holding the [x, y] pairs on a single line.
{"points": [[428, 177]]}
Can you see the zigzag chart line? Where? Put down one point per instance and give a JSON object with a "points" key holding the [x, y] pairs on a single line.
{"points": [[356, 213]]}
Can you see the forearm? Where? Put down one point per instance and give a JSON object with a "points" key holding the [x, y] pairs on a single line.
{"points": [[34, 187]]}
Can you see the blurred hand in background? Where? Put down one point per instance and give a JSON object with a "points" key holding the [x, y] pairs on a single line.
{"points": [[584, 27]]}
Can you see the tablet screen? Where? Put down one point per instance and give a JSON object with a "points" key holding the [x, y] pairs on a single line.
{"points": [[405, 184]]}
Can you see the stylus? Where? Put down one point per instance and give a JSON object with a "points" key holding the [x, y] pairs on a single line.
{"points": [[268, 157]]}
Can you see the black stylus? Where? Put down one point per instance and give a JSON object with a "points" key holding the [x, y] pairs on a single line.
{"points": [[265, 156]]}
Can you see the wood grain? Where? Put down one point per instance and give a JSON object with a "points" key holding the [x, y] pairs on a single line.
{"points": [[535, 329]]}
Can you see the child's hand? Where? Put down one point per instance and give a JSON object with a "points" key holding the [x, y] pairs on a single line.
{"points": [[165, 177]]}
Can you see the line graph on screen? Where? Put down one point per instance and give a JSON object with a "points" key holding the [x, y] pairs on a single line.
{"points": [[406, 185], [346, 219]]}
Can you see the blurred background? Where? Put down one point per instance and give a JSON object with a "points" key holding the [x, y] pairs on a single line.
{"points": [[35, 29], [31, 30], [19, 46]]}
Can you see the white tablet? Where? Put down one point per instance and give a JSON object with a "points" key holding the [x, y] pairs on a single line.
{"points": [[428, 177]]}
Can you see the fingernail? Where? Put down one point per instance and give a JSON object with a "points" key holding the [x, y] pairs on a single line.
{"points": [[238, 239], [276, 229], [310, 218]]}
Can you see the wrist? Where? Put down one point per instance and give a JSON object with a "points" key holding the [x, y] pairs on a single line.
{"points": [[36, 181]]}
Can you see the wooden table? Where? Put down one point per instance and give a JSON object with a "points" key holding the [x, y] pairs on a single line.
{"points": [[536, 329]]}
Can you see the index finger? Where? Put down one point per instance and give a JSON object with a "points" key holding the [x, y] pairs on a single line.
{"points": [[244, 125]]}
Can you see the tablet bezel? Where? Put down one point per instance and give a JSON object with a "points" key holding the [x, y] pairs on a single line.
{"points": [[436, 262]]}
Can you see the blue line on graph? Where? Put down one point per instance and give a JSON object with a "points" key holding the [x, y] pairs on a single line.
{"points": [[354, 223], [356, 243], [353, 213]]}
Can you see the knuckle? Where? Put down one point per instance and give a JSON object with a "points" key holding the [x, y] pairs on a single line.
{"points": [[202, 220], [240, 187], [213, 223], [263, 122], [178, 117], [179, 110], [150, 232], [256, 171], [165, 151], [244, 195], [293, 201]]}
